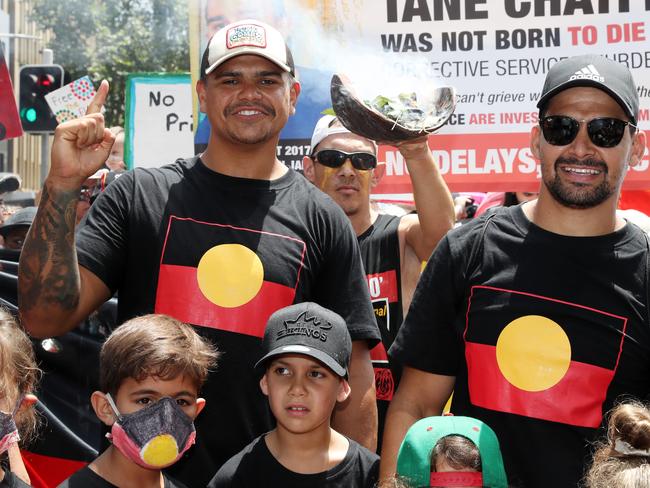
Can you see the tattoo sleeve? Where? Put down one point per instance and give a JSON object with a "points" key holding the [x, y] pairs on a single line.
{"points": [[48, 273]]}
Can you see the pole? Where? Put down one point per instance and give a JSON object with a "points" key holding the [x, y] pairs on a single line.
{"points": [[45, 156], [48, 58]]}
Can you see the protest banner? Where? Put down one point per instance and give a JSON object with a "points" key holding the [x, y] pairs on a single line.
{"points": [[496, 55]]}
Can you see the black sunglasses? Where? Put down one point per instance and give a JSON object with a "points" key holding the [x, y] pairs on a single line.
{"points": [[560, 130], [333, 158]]}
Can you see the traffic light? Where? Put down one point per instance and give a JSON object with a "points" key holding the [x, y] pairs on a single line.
{"points": [[36, 81]]}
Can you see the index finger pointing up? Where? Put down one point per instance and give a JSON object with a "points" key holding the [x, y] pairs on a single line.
{"points": [[99, 99]]}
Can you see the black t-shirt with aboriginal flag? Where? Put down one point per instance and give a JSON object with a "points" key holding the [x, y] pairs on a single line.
{"points": [[223, 253], [543, 333]]}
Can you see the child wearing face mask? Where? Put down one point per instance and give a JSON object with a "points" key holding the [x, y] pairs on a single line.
{"points": [[151, 370], [18, 378]]}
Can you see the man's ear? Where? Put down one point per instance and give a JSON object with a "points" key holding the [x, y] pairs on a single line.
{"points": [[344, 391], [264, 385], [638, 148], [293, 96], [200, 91], [102, 408], [377, 174], [309, 169], [200, 405], [535, 139]]}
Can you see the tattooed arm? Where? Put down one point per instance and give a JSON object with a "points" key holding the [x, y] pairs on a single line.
{"points": [[54, 292]]}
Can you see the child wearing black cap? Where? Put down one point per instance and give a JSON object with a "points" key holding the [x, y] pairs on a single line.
{"points": [[306, 353]]}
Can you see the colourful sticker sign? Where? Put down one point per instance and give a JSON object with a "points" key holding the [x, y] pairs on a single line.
{"points": [[71, 101]]}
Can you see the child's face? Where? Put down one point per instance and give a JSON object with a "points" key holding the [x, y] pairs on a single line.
{"points": [[135, 395], [302, 392]]}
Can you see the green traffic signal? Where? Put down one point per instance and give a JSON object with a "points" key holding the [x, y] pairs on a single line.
{"points": [[30, 115], [36, 81]]}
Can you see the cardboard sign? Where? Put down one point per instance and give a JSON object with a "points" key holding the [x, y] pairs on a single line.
{"points": [[158, 119], [71, 101]]}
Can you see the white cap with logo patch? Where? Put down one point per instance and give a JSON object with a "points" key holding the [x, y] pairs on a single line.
{"points": [[247, 37]]}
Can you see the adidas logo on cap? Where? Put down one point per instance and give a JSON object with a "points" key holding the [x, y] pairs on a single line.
{"points": [[592, 70], [588, 73]]}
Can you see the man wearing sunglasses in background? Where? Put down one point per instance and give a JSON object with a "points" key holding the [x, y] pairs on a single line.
{"points": [[537, 315], [344, 165]]}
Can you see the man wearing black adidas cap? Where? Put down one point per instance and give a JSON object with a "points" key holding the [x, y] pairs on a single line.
{"points": [[220, 241], [537, 316]]}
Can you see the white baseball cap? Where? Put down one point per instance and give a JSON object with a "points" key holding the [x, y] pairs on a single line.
{"points": [[327, 126], [247, 37]]}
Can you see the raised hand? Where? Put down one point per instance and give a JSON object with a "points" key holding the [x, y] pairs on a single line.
{"points": [[81, 146], [413, 148]]}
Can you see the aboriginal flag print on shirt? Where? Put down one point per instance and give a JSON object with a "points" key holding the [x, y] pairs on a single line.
{"points": [[217, 276], [527, 355], [384, 296]]}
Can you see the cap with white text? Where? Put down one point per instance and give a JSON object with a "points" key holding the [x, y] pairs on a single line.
{"points": [[247, 37], [595, 71], [311, 330]]}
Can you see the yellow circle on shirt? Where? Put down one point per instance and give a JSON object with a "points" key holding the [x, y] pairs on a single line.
{"points": [[533, 353], [230, 275]]}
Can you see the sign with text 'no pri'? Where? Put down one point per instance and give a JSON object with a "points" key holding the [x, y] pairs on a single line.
{"points": [[158, 119]]}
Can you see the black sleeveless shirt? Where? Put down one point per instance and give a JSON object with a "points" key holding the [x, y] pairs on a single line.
{"points": [[381, 260]]}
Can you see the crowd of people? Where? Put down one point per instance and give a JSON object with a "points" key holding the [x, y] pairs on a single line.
{"points": [[279, 331]]}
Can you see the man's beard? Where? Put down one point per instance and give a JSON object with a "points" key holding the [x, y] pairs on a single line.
{"points": [[257, 136], [576, 195]]}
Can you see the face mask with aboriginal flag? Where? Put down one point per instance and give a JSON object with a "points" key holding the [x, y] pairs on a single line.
{"points": [[8, 430], [154, 437]]}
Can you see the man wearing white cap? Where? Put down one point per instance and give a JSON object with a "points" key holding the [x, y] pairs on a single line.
{"points": [[344, 165], [220, 241]]}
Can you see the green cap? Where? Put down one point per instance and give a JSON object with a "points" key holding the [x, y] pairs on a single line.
{"points": [[414, 457]]}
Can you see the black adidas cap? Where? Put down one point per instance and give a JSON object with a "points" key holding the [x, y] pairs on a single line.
{"points": [[595, 71], [309, 329]]}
